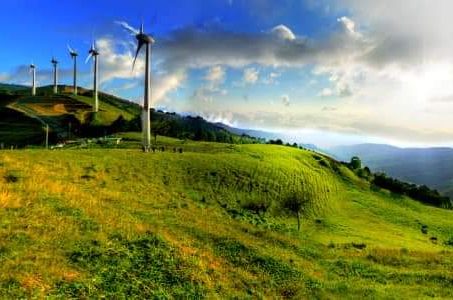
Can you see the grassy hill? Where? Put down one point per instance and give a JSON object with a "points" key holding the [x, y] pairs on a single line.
{"points": [[70, 117], [210, 223], [429, 166]]}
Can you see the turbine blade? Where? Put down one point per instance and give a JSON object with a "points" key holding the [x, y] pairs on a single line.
{"points": [[89, 57], [70, 49], [127, 27], [139, 46]]}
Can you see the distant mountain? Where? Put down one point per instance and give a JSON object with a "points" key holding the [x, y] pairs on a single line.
{"points": [[430, 166], [260, 134], [250, 132]]}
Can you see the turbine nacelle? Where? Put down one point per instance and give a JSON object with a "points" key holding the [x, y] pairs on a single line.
{"points": [[72, 52], [142, 39], [54, 61], [93, 51]]}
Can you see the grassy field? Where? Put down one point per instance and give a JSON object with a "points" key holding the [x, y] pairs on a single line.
{"points": [[120, 223]]}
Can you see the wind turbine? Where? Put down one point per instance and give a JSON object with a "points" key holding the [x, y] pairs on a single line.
{"points": [[55, 75], [94, 53], [146, 40], [33, 80], [74, 55]]}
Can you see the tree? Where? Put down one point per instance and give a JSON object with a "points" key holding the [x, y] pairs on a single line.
{"points": [[120, 124], [355, 163], [295, 203], [160, 128]]}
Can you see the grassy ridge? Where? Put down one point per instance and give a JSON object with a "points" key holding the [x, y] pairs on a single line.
{"points": [[92, 223]]}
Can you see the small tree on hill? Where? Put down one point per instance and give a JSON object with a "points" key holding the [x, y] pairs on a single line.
{"points": [[355, 163], [295, 203]]}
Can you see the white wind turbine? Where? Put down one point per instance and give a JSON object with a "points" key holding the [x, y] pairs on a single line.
{"points": [[94, 53], [146, 40], [74, 55], [55, 75], [33, 79]]}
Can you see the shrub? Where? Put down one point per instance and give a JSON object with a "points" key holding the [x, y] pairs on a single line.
{"points": [[355, 163], [258, 206], [424, 229], [449, 242]]}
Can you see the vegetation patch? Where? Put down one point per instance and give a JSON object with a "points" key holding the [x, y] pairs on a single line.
{"points": [[85, 223], [146, 267], [449, 242], [12, 176], [283, 277]]}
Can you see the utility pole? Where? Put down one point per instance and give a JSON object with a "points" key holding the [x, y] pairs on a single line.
{"points": [[47, 136]]}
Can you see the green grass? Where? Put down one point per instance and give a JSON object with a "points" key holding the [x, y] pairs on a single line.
{"points": [[121, 223], [108, 112]]}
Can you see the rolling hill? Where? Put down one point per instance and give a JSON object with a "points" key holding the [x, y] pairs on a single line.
{"points": [[211, 221], [429, 166], [71, 117]]}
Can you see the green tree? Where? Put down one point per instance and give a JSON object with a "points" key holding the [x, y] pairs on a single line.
{"points": [[355, 163], [160, 128], [295, 203]]}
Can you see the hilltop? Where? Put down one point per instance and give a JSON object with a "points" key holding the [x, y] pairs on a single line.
{"points": [[211, 221]]}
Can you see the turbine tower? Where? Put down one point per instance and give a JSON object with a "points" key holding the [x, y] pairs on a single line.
{"points": [[146, 40], [94, 53], [33, 80], [74, 55], [55, 75]]}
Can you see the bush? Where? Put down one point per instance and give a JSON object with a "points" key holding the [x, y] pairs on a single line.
{"points": [[259, 206]]}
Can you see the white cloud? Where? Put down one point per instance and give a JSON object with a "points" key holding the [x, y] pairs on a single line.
{"points": [[250, 76], [207, 94], [271, 78], [165, 84], [326, 92], [285, 100], [115, 60], [215, 74], [349, 26], [283, 32]]}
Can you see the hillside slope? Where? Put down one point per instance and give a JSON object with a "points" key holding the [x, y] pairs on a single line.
{"points": [[68, 116], [71, 117], [429, 166], [103, 223]]}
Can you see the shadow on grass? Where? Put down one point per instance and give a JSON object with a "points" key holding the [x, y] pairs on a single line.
{"points": [[146, 268]]}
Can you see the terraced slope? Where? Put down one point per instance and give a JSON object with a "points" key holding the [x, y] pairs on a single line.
{"points": [[68, 116], [121, 223]]}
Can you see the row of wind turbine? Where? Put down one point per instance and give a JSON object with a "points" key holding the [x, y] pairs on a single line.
{"points": [[92, 53], [143, 40]]}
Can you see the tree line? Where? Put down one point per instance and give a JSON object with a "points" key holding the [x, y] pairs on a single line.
{"points": [[421, 193]]}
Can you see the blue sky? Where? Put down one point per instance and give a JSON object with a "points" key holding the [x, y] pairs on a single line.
{"points": [[328, 72]]}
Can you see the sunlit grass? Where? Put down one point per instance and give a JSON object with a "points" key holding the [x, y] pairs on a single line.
{"points": [[90, 223]]}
